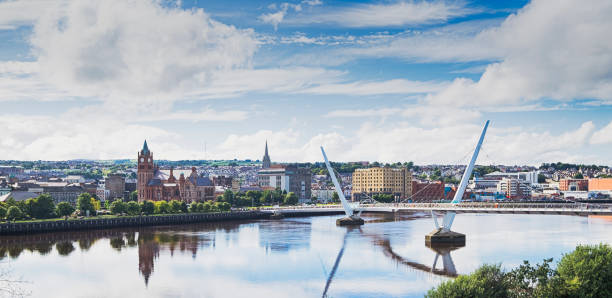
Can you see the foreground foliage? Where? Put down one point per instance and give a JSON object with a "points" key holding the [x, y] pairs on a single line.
{"points": [[585, 272]]}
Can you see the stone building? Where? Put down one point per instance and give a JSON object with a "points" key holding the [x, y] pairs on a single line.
{"points": [[115, 184], [155, 185], [289, 178], [382, 180]]}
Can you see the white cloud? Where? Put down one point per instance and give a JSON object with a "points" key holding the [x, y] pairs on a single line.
{"points": [[275, 18], [397, 14], [363, 113], [445, 143], [16, 13], [136, 49], [548, 49], [603, 136], [395, 86]]}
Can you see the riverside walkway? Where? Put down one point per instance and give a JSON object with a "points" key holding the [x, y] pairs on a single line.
{"points": [[580, 209]]}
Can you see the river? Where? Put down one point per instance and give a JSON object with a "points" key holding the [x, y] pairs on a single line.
{"points": [[292, 257]]}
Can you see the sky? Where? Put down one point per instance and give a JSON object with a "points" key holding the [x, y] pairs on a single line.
{"points": [[369, 80]]}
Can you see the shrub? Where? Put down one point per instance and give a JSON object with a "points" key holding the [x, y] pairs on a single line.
{"points": [[132, 208]]}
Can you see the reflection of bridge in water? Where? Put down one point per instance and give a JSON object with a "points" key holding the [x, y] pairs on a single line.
{"points": [[448, 266]]}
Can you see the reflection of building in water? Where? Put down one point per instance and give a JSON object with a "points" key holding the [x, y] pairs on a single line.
{"points": [[282, 236], [151, 241], [148, 251]]}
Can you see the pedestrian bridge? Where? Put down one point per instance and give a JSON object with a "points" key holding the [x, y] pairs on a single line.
{"points": [[580, 209]]}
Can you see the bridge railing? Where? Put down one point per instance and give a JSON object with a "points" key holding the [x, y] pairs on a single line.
{"points": [[474, 205], [466, 205]]}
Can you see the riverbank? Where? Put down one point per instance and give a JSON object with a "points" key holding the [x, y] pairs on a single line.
{"points": [[16, 228]]}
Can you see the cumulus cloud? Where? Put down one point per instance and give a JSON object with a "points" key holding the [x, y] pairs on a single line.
{"points": [[16, 13], [603, 136], [405, 141], [135, 49], [548, 49]]}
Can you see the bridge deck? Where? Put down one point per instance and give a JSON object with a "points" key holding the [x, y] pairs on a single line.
{"points": [[497, 208]]}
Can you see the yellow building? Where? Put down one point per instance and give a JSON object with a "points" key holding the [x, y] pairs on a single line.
{"points": [[383, 180]]}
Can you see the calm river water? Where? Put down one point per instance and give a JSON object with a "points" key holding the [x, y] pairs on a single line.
{"points": [[293, 257]]}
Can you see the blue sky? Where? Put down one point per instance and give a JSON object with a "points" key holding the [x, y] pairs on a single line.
{"points": [[369, 80]]}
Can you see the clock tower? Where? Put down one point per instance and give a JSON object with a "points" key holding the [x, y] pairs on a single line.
{"points": [[146, 169]]}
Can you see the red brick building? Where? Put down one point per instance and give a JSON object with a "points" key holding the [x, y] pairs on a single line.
{"points": [[423, 192], [573, 185], [155, 185]]}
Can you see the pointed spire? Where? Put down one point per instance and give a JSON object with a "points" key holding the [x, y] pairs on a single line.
{"points": [[145, 148], [266, 163]]}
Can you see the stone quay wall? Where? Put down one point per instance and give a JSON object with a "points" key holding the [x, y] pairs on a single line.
{"points": [[105, 223]]}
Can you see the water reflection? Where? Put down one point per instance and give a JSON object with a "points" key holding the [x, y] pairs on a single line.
{"points": [[150, 241], [385, 257]]}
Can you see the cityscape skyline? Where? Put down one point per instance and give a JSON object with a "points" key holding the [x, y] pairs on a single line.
{"points": [[413, 81]]}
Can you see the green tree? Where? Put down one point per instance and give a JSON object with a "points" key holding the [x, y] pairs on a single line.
{"points": [[84, 204], [541, 178], [585, 272], [175, 206], [204, 207], [184, 207], [254, 197], [64, 209], [228, 196], [41, 207], [486, 281], [267, 197], [578, 176], [335, 197], [132, 208], [2, 213], [133, 197], [14, 213], [118, 207], [147, 207], [291, 199], [162, 207], [193, 207]]}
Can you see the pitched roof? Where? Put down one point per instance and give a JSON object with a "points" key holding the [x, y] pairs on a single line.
{"points": [[200, 181]]}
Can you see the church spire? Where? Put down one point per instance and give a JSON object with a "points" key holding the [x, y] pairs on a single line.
{"points": [[266, 163], [145, 148]]}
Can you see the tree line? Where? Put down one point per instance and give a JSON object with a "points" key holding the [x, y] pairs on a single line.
{"points": [[585, 272], [255, 198]]}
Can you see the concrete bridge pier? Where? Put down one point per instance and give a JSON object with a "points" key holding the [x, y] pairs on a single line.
{"points": [[443, 235]]}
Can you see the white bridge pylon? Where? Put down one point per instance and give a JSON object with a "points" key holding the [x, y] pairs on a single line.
{"points": [[447, 222], [349, 209]]}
